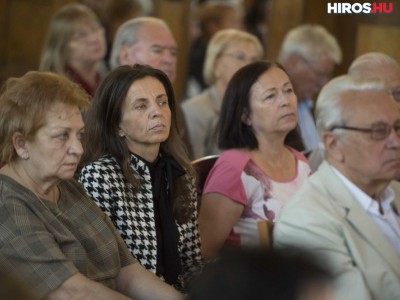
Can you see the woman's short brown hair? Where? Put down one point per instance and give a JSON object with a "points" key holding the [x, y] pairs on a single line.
{"points": [[25, 101]]}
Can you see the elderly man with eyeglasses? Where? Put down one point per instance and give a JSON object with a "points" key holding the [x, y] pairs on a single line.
{"points": [[348, 211], [368, 65]]}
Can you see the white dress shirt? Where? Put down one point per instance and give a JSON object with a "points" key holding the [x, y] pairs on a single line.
{"points": [[388, 221]]}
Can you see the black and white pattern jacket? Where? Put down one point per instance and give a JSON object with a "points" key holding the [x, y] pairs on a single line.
{"points": [[132, 213]]}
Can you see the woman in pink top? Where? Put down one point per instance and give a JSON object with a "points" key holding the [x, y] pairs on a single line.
{"points": [[257, 172]]}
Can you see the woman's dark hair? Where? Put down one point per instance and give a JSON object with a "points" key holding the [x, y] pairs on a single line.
{"points": [[231, 131], [102, 127]]}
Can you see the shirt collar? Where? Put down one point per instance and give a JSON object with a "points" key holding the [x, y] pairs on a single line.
{"points": [[368, 203]]}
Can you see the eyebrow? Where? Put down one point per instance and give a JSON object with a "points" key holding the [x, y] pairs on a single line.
{"points": [[274, 88], [164, 47]]}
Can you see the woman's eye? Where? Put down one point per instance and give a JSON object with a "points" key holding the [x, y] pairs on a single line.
{"points": [[289, 91], [163, 102], [80, 135], [270, 97], [140, 106], [63, 136]]}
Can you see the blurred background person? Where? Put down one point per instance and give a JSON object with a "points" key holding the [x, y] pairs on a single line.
{"points": [[309, 54], [52, 234], [145, 40], [369, 65], [255, 19], [260, 274], [75, 46], [227, 52], [256, 173], [137, 171], [209, 17]]}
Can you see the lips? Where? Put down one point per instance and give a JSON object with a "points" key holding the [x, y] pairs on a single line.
{"points": [[288, 115], [157, 127]]}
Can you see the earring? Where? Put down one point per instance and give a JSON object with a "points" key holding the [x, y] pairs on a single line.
{"points": [[121, 134], [25, 155]]}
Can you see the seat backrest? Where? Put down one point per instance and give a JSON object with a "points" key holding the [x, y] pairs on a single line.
{"points": [[203, 165], [265, 232]]}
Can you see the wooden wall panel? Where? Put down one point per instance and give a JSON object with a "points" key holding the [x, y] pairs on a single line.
{"points": [[3, 38], [176, 14], [349, 29], [376, 38], [283, 16], [25, 24]]}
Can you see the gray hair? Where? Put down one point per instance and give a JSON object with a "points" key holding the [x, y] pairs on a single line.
{"points": [[220, 41], [310, 41], [127, 36], [330, 107], [369, 61]]}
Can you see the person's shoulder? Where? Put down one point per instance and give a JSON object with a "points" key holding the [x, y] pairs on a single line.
{"points": [[198, 101], [231, 163], [236, 157], [105, 163]]}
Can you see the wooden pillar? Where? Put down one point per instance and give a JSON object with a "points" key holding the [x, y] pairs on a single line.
{"points": [[283, 15], [176, 14]]}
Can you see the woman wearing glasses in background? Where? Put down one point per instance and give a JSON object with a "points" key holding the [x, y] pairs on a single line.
{"points": [[75, 46], [227, 52]]}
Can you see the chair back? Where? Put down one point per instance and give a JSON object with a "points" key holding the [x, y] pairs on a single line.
{"points": [[203, 165]]}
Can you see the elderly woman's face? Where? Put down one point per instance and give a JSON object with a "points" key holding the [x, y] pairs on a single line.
{"points": [[56, 148], [87, 44], [273, 104], [146, 116], [235, 56]]}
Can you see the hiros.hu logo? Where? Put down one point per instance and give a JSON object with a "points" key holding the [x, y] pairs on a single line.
{"points": [[358, 8]]}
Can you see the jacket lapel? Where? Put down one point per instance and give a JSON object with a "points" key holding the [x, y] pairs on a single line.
{"points": [[358, 217]]}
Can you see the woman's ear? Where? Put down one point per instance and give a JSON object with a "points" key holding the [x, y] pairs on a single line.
{"points": [[246, 118], [19, 143]]}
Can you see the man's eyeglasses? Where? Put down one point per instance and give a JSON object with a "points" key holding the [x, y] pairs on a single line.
{"points": [[377, 131]]}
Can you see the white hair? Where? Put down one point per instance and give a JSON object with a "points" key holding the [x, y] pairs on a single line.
{"points": [[127, 36], [330, 107], [310, 41], [367, 62]]}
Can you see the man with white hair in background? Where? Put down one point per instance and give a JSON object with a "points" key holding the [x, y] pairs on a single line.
{"points": [[309, 54], [145, 40], [348, 210], [368, 65]]}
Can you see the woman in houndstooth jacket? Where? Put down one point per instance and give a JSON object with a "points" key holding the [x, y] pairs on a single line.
{"points": [[136, 169]]}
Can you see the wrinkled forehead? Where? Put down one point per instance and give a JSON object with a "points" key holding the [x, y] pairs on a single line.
{"points": [[157, 34], [369, 106], [388, 73], [61, 112]]}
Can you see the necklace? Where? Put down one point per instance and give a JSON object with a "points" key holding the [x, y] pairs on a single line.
{"points": [[55, 193]]}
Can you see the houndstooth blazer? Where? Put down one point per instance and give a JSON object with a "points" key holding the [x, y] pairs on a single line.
{"points": [[132, 212]]}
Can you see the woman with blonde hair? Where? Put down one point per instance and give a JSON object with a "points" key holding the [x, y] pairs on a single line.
{"points": [[75, 46], [227, 52]]}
